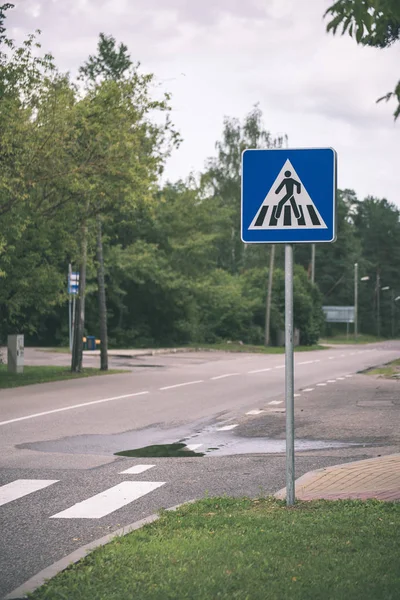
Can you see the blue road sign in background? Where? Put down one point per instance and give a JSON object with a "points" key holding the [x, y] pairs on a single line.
{"points": [[289, 196]]}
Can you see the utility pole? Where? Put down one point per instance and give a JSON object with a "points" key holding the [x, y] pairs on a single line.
{"points": [[392, 307], [312, 263], [378, 304], [269, 296], [355, 300]]}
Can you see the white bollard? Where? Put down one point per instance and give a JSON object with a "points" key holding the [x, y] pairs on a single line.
{"points": [[15, 355]]}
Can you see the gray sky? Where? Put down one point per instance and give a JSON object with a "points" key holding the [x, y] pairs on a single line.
{"points": [[220, 57]]}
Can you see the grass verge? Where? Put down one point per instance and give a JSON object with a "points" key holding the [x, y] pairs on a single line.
{"points": [[40, 374], [236, 347], [361, 339], [388, 370], [224, 346], [57, 349], [234, 549]]}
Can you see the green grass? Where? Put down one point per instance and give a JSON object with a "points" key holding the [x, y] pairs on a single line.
{"points": [[235, 347], [160, 450], [58, 349], [361, 339], [388, 370], [40, 374], [223, 346], [241, 549]]}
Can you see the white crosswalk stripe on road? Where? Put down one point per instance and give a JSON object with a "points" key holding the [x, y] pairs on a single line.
{"points": [[22, 487], [110, 500], [136, 469]]}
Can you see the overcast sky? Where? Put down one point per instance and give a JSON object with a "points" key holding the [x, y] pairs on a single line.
{"points": [[220, 57]]}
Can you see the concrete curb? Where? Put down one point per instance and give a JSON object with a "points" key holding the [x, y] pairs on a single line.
{"points": [[52, 570]]}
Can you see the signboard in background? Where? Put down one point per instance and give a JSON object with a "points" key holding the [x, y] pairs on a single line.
{"points": [[73, 283], [339, 314]]}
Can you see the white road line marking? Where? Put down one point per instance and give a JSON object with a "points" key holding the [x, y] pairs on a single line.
{"points": [[331, 357], [136, 469], [276, 402], [296, 395], [193, 446], [331, 381], [317, 360], [57, 410], [170, 387], [260, 370], [305, 362], [108, 501], [226, 375], [257, 411], [343, 355], [321, 384], [348, 375], [280, 367], [227, 427], [308, 389], [22, 487], [341, 378]]}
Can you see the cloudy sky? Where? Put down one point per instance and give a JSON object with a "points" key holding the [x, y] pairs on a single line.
{"points": [[220, 57]]}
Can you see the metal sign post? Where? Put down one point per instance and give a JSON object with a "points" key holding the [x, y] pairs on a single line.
{"points": [[69, 307], [289, 375], [73, 290], [289, 197]]}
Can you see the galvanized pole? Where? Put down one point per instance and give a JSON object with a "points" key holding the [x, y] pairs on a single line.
{"points": [[355, 300], [289, 375], [378, 304]]}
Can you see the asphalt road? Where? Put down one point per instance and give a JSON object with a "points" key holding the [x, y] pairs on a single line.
{"points": [[64, 435]]}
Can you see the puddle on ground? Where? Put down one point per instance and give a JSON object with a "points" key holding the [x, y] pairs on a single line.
{"points": [[205, 439], [218, 443]]}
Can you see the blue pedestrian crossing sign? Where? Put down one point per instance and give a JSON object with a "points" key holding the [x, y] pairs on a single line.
{"points": [[289, 196]]}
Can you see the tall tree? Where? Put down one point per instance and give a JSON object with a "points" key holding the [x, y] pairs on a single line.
{"points": [[372, 23], [123, 152], [110, 63], [222, 179], [35, 107]]}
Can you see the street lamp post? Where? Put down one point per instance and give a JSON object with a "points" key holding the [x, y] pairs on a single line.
{"points": [[355, 300], [384, 289], [366, 278], [378, 304]]}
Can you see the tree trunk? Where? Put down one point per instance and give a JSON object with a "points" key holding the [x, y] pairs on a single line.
{"points": [[77, 347], [102, 300], [269, 296]]}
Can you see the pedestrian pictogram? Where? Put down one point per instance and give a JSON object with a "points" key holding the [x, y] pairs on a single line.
{"points": [[288, 204], [289, 196]]}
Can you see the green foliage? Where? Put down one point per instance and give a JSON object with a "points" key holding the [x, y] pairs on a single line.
{"points": [[109, 63], [221, 180], [33, 375], [176, 270], [372, 23]]}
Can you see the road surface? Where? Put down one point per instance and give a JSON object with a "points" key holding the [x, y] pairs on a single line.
{"points": [[61, 486]]}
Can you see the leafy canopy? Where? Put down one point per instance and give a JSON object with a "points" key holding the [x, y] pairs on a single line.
{"points": [[372, 23]]}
